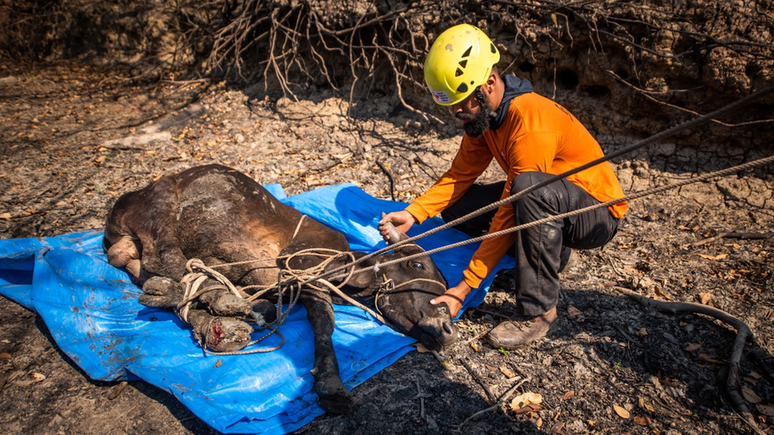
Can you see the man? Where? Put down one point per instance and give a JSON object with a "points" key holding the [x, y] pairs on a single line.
{"points": [[531, 138]]}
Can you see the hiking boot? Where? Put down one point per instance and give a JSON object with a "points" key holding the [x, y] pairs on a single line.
{"points": [[567, 259], [511, 334]]}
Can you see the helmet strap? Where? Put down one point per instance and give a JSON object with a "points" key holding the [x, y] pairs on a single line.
{"points": [[478, 95]]}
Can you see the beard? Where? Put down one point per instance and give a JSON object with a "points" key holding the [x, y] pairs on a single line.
{"points": [[479, 123]]}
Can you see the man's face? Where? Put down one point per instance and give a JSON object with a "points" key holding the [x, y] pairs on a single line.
{"points": [[473, 114]]}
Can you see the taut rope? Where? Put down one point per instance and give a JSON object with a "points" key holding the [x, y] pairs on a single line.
{"points": [[630, 197], [648, 141]]}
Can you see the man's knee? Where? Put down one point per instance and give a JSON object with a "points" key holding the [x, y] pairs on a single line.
{"points": [[527, 179]]}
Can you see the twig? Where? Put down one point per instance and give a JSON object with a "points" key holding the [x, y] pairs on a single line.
{"points": [[421, 396], [732, 235], [440, 359], [647, 95], [117, 390], [502, 399], [389, 177], [489, 395]]}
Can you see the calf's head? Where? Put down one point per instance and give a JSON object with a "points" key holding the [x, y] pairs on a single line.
{"points": [[404, 298], [402, 292]]}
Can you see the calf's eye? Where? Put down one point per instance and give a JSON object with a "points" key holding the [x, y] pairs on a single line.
{"points": [[417, 265]]}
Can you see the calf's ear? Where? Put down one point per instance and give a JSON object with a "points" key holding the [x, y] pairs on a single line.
{"points": [[361, 280]]}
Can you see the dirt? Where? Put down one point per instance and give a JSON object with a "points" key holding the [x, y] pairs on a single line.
{"points": [[74, 137]]}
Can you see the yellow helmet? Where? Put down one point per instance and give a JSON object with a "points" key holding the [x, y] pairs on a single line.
{"points": [[459, 61]]}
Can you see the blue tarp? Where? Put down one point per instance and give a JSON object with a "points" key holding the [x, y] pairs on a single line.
{"points": [[92, 312]]}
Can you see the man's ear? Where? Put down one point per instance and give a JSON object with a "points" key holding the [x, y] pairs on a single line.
{"points": [[491, 81]]}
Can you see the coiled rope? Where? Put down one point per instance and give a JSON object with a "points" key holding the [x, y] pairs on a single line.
{"points": [[199, 273]]}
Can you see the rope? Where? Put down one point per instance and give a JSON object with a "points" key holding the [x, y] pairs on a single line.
{"points": [[287, 277], [392, 288], [200, 273], [630, 197], [652, 139]]}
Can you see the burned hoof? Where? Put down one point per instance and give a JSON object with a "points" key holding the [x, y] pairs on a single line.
{"points": [[334, 396], [263, 312], [228, 335], [219, 334], [223, 303], [161, 292]]}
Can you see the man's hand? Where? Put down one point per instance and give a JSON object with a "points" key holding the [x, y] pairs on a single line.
{"points": [[402, 220], [454, 297]]}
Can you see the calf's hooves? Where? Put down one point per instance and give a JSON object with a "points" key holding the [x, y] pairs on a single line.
{"points": [[224, 335], [263, 312], [161, 292], [223, 303], [334, 396]]}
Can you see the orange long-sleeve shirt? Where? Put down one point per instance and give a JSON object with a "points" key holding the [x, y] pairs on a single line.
{"points": [[536, 135]]}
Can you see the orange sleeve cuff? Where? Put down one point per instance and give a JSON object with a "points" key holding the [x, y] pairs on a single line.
{"points": [[419, 213]]}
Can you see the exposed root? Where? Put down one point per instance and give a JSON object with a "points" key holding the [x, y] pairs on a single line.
{"points": [[743, 332], [380, 46]]}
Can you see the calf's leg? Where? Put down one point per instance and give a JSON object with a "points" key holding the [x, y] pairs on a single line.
{"points": [[161, 292], [334, 396]]}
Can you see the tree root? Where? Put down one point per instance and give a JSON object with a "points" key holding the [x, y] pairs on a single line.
{"points": [[743, 332], [732, 235]]}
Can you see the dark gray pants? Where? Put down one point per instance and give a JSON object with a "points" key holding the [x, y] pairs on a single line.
{"points": [[537, 249]]}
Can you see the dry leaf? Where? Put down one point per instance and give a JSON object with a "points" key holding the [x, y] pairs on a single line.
{"points": [[539, 423], [474, 346], [642, 421], [525, 400], [705, 298], [38, 377], [529, 409], [715, 257], [342, 157], [710, 358], [662, 294], [642, 332], [6, 216], [643, 404], [507, 372], [568, 395], [574, 313], [750, 396], [693, 347], [767, 410], [421, 348], [621, 411]]}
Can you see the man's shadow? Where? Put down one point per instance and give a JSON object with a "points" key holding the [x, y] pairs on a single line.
{"points": [[676, 362]]}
